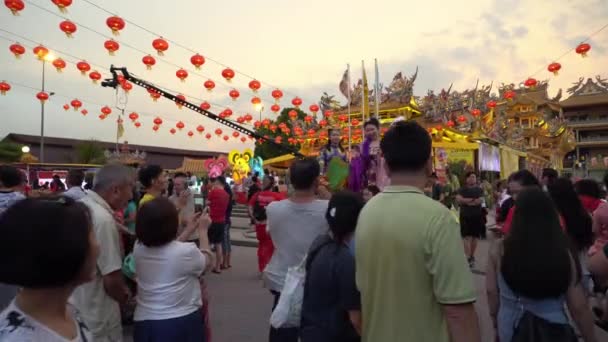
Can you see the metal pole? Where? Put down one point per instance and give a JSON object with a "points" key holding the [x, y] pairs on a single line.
{"points": [[42, 118], [349, 126]]}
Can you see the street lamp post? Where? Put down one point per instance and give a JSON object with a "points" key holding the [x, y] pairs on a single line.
{"points": [[259, 108], [46, 58]]}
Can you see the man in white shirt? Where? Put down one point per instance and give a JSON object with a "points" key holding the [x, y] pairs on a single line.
{"points": [[98, 301], [184, 201], [293, 225], [75, 179]]}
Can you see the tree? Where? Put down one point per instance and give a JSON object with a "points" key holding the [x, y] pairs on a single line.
{"points": [[89, 152], [10, 152], [267, 150]]}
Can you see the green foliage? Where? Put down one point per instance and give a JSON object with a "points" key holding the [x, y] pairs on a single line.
{"points": [[10, 152], [89, 152], [267, 150]]}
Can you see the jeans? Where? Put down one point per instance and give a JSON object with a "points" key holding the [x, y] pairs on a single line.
{"points": [[282, 334]]}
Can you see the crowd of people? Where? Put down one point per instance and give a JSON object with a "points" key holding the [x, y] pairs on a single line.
{"points": [[388, 262]]}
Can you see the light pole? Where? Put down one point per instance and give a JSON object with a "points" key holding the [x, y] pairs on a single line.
{"points": [[259, 108], [25, 150], [48, 57]]}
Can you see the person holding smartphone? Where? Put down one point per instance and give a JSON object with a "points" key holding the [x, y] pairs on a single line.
{"points": [[183, 199]]}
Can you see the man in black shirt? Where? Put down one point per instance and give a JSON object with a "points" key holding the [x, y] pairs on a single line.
{"points": [[472, 226]]}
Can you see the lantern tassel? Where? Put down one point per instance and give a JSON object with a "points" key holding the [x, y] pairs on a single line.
{"points": [[15, 13], [111, 53], [18, 56], [94, 81], [59, 70], [555, 73], [160, 53], [62, 9], [149, 67], [115, 32], [584, 54], [198, 67], [69, 35]]}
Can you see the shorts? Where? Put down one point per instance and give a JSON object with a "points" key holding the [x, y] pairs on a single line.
{"points": [[472, 226], [216, 233]]}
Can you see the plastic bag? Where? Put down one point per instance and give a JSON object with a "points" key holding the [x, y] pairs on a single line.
{"points": [[128, 266], [288, 312]]}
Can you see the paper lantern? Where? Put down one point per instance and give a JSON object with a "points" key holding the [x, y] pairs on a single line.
{"points": [[15, 6], [462, 118], [293, 114], [218, 131], [275, 108], [234, 94], [554, 68], [42, 96], [209, 85], [328, 114], [40, 51], [256, 100], [205, 105], [154, 95], [314, 108], [297, 102], [155, 128], [68, 28], [450, 123], [160, 45], [190, 134], [226, 138], [491, 104], [149, 61], [531, 82], [112, 46], [200, 129], [243, 139], [277, 94], [126, 86], [354, 122], [62, 5], [172, 131], [476, 112], [228, 112], [59, 64], [84, 112], [208, 136], [158, 121], [116, 24], [133, 116], [255, 85], [197, 60], [181, 74], [509, 95], [84, 67], [102, 117], [66, 107], [582, 49], [76, 104], [180, 125], [94, 76], [235, 134], [179, 100], [106, 110], [17, 50], [228, 74]]}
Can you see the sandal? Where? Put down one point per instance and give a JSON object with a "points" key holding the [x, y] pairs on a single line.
{"points": [[216, 271]]}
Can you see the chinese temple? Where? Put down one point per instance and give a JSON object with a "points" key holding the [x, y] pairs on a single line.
{"points": [[586, 114], [488, 128]]}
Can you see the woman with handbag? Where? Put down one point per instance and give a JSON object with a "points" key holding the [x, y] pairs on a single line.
{"points": [[533, 275]]}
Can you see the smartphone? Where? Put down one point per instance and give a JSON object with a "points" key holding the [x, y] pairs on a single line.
{"points": [[199, 204]]}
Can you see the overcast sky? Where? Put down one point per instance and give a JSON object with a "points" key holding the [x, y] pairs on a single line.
{"points": [[300, 46]]}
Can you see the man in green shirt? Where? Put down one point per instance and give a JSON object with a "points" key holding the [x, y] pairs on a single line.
{"points": [[413, 277]]}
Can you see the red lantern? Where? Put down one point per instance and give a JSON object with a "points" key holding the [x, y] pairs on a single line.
{"points": [[475, 112], [105, 110], [209, 85], [17, 50], [180, 125], [15, 6], [197, 60], [248, 117], [234, 94], [116, 24], [509, 95], [462, 118], [76, 104], [277, 94], [226, 138], [190, 134], [343, 117], [181, 74], [491, 104], [228, 74], [323, 123], [273, 128], [153, 94], [84, 67], [66, 106], [40, 51], [68, 28], [554, 68], [62, 4], [314, 108], [218, 131], [292, 114], [243, 139], [208, 136], [228, 112], [582, 49], [112, 46], [200, 129], [257, 124], [450, 123], [328, 114], [126, 86], [255, 85], [42, 96], [94, 76], [354, 122], [275, 108], [59, 64], [172, 131], [531, 82], [235, 134], [84, 112], [266, 122], [240, 119], [179, 101], [160, 45], [256, 100], [278, 139], [297, 102], [137, 124], [155, 128], [311, 133], [205, 105], [308, 119], [101, 117], [133, 116], [158, 121], [149, 61]]}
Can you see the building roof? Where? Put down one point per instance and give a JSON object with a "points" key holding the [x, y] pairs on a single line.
{"points": [[587, 94], [67, 142], [585, 100]]}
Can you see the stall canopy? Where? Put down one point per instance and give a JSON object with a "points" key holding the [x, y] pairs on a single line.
{"points": [[509, 160]]}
